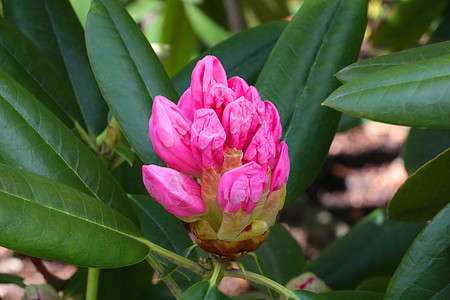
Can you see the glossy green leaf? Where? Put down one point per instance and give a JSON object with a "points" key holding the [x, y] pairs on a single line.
{"points": [[409, 20], [415, 94], [423, 272], [283, 263], [206, 29], [33, 139], [129, 73], [203, 290], [423, 145], [60, 37], [424, 193], [339, 295], [374, 247], [298, 76], [444, 294], [177, 33], [160, 226], [43, 218], [23, 62], [368, 66], [11, 278], [244, 54]]}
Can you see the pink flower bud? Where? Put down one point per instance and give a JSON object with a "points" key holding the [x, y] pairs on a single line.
{"points": [[170, 136], [252, 95], [217, 97], [206, 73], [242, 187], [179, 194], [272, 118], [238, 85], [262, 148], [240, 121], [185, 105], [280, 172], [207, 139]]}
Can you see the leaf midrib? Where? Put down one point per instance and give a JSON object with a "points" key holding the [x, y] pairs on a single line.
{"points": [[116, 230]]}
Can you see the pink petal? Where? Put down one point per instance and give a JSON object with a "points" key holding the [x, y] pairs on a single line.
{"points": [[240, 121], [271, 117], [280, 172], [186, 106], [217, 97], [262, 148], [238, 85], [206, 73], [242, 188], [170, 135], [177, 193], [207, 139]]}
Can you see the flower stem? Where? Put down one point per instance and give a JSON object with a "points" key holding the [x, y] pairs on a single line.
{"points": [[217, 272], [92, 284], [177, 259], [168, 280], [261, 280]]}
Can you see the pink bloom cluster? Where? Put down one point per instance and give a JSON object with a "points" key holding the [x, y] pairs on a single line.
{"points": [[219, 128]]}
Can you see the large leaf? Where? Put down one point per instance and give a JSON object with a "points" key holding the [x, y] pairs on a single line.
{"points": [[203, 290], [47, 219], [322, 38], [33, 139], [415, 94], [129, 73], [54, 27], [284, 262], [374, 247], [159, 226], [368, 66], [21, 60], [423, 145], [424, 193], [423, 272], [243, 54], [407, 23]]}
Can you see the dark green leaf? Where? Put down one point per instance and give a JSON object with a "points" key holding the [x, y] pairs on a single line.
{"points": [[43, 218], [243, 54], [444, 294], [423, 145], [33, 139], [159, 226], [11, 278], [424, 193], [54, 28], [415, 94], [321, 39], [375, 284], [407, 23], [423, 272], [368, 66], [129, 73], [283, 263], [178, 35], [23, 62], [60, 37], [340, 295], [374, 247], [203, 290]]}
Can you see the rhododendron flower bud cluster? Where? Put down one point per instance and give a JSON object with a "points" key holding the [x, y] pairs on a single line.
{"points": [[227, 168]]}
